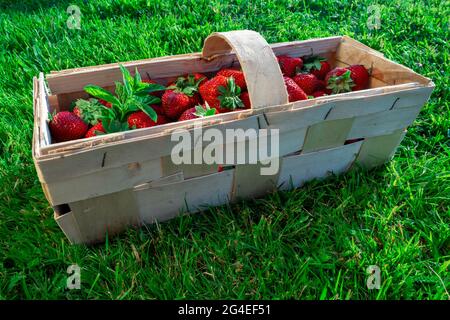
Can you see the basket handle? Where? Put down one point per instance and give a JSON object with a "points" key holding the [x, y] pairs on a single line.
{"points": [[265, 82]]}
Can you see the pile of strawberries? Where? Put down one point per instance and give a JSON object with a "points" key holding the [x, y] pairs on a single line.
{"points": [[139, 103]]}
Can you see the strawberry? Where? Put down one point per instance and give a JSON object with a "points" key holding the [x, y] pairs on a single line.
{"points": [[95, 130], [140, 119], [317, 66], [245, 97], [339, 80], [289, 65], [158, 109], [221, 93], [319, 94], [200, 78], [175, 103], [238, 76], [90, 111], [307, 81], [360, 77], [198, 112], [182, 95], [321, 85], [188, 114], [294, 91], [66, 126], [105, 103]]}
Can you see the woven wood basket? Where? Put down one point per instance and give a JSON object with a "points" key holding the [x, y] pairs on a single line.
{"points": [[104, 184]]}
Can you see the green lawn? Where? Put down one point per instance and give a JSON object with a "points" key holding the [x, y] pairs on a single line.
{"points": [[311, 243]]}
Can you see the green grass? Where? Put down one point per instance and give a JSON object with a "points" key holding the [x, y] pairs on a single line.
{"points": [[311, 243]]}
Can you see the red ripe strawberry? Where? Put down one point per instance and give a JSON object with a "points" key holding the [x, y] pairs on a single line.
{"points": [[188, 115], [140, 119], [294, 91], [360, 77], [182, 95], [198, 112], [95, 130], [321, 73], [308, 82], [289, 65], [245, 97], [66, 126], [105, 103], [175, 103], [221, 93], [321, 85], [236, 74], [318, 94], [339, 80], [200, 78], [158, 109], [317, 66]]}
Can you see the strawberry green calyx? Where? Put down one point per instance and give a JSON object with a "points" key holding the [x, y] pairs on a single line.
{"points": [[229, 95], [342, 83], [187, 85], [204, 111], [90, 111], [313, 62]]}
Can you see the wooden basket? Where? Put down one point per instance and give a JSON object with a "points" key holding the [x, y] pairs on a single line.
{"points": [[103, 184]]}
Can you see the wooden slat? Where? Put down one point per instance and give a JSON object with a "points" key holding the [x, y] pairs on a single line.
{"points": [[68, 224], [327, 134], [44, 109], [298, 169], [103, 182], [356, 107], [249, 183], [320, 46], [191, 195], [293, 125], [188, 170], [378, 150], [90, 220], [108, 214], [35, 143], [383, 123]]}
